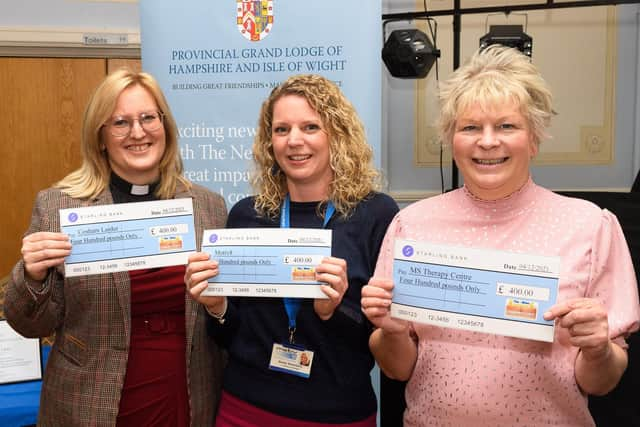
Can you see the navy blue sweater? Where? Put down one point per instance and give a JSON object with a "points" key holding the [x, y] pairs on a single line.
{"points": [[339, 389]]}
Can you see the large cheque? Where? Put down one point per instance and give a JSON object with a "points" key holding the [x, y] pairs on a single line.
{"points": [[481, 290], [267, 262], [128, 236]]}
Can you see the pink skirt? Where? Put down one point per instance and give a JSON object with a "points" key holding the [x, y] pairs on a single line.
{"points": [[234, 412]]}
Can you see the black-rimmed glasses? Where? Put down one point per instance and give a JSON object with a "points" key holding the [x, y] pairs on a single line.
{"points": [[121, 126]]}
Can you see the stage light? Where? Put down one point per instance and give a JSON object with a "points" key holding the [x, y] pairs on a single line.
{"points": [[409, 54], [508, 35]]}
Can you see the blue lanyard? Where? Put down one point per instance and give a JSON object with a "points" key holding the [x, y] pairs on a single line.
{"points": [[286, 208], [292, 305]]}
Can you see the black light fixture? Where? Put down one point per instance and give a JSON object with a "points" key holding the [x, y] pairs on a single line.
{"points": [[409, 54], [508, 35]]}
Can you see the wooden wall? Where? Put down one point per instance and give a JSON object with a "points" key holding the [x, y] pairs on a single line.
{"points": [[41, 107]]}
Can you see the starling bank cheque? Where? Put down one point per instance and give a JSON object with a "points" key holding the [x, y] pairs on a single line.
{"points": [[128, 236], [267, 262], [480, 290]]}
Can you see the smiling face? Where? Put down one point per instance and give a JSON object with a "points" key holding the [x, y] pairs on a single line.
{"points": [[136, 157], [301, 148], [493, 150]]}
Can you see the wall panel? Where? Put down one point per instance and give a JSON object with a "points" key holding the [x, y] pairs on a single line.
{"points": [[115, 63], [43, 100]]}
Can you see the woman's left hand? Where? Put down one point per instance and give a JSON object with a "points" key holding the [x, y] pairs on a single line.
{"points": [[587, 322], [333, 272]]}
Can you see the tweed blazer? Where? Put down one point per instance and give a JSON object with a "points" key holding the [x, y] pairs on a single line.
{"points": [[91, 318]]}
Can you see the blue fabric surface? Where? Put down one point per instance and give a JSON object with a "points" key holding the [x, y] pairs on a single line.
{"points": [[19, 402]]}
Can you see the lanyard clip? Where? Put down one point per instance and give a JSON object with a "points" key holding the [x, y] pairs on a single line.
{"points": [[291, 332]]}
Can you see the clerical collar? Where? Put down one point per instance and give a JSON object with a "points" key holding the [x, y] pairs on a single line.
{"points": [[124, 191]]}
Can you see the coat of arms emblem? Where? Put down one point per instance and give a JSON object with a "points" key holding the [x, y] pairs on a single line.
{"points": [[255, 18]]}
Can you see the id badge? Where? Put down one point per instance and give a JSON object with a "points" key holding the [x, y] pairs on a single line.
{"points": [[291, 359]]}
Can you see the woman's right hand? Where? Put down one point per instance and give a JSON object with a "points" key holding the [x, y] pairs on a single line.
{"points": [[43, 250], [199, 270], [391, 343], [376, 304]]}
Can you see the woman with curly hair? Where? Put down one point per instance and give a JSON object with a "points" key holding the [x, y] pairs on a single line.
{"points": [[313, 168]]}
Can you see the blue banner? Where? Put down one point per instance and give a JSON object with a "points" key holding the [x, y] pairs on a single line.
{"points": [[218, 60]]}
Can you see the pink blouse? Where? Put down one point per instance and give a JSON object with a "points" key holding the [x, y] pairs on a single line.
{"points": [[474, 379]]}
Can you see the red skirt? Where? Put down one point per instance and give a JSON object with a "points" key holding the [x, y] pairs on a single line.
{"points": [[155, 386]]}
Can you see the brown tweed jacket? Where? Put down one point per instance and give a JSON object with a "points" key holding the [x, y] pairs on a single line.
{"points": [[90, 316]]}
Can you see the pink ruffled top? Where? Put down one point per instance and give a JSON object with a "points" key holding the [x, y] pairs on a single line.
{"points": [[474, 379]]}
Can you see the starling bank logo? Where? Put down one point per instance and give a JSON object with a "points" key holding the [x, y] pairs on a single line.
{"points": [[254, 18]]}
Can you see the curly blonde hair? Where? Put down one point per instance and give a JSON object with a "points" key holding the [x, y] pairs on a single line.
{"points": [[494, 76], [95, 172], [354, 176]]}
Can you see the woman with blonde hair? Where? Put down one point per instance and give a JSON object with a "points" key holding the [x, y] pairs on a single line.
{"points": [[495, 110], [313, 170], [130, 348]]}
